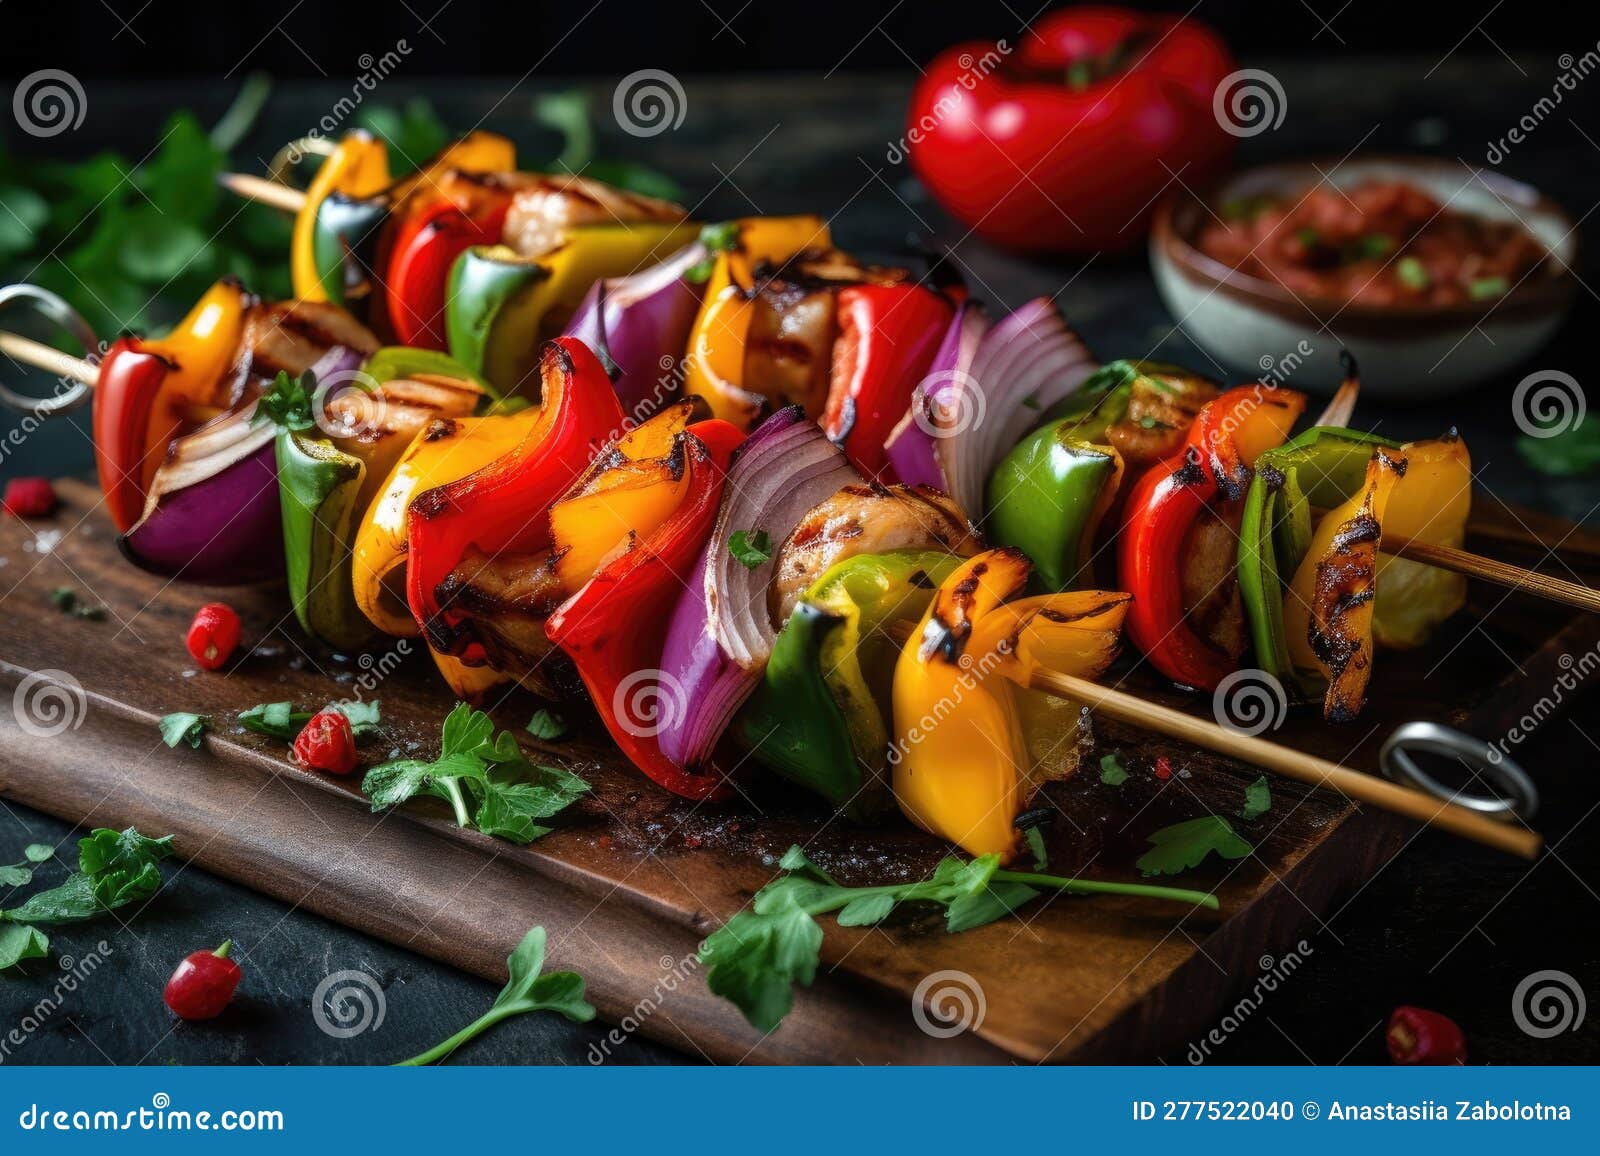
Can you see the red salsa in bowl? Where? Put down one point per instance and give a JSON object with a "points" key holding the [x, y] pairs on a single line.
{"points": [[1378, 243]]}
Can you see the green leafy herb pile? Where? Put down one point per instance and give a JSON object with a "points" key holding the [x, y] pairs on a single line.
{"points": [[757, 956], [487, 780], [115, 868], [526, 991]]}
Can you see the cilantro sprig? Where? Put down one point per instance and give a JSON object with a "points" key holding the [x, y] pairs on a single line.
{"points": [[488, 782], [288, 402], [757, 957], [526, 991]]}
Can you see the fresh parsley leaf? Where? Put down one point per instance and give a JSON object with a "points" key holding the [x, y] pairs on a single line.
{"points": [[1257, 799], [19, 942], [21, 874], [485, 778], [1035, 839], [1112, 773], [527, 990], [279, 720], [183, 727], [547, 725], [1178, 848], [750, 549], [1570, 454], [115, 868], [757, 957]]}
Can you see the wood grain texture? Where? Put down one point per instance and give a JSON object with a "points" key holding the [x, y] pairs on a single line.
{"points": [[634, 879]]}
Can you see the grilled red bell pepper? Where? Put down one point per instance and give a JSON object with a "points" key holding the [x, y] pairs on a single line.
{"points": [[1165, 506], [888, 335], [615, 628], [497, 507], [147, 392], [425, 245]]}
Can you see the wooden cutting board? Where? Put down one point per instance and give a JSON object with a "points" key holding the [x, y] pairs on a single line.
{"points": [[634, 879]]}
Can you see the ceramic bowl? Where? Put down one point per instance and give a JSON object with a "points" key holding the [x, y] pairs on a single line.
{"points": [[1407, 353]]}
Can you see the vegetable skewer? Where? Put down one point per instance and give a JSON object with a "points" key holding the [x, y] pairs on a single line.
{"points": [[27, 351], [1281, 760]]}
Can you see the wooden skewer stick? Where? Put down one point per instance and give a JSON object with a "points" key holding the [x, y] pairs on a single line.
{"points": [[1292, 764], [290, 200], [1500, 573], [41, 356]]}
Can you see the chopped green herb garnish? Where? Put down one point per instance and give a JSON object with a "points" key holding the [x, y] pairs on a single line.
{"points": [[183, 727], [1177, 848], [751, 549], [1413, 273], [1486, 287], [1112, 772], [547, 725], [1036, 847], [1257, 799]]}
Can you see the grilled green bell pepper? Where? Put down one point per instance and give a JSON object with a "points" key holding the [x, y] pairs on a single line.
{"points": [[318, 486], [501, 305], [1048, 496], [817, 718], [393, 361]]}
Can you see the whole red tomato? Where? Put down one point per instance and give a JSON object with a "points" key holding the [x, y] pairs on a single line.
{"points": [[1064, 141]]}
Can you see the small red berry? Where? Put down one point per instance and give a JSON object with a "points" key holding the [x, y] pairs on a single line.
{"points": [[327, 744], [1163, 767], [1419, 1036], [29, 498], [203, 984], [213, 635]]}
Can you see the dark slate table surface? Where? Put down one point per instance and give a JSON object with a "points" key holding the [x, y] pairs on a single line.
{"points": [[1447, 925]]}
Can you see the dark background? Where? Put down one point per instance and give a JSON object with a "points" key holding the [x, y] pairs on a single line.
{"points": [[163, 38], [1448, 925]]}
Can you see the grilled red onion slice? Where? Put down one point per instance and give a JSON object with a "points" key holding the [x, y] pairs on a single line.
{"points": [[212, 515], [643, 322], [721, 632], [985, 390]]}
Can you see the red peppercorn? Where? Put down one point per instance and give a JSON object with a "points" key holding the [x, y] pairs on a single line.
{"points": [[1419, 1036], [203, 984], [327, 744], [213, 635], [1163, 767], [29, 498]]}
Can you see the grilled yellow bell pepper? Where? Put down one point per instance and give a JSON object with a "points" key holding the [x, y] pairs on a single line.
{"points": [[358, 167], [715, 363], [445, 450], [972, 741]]}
